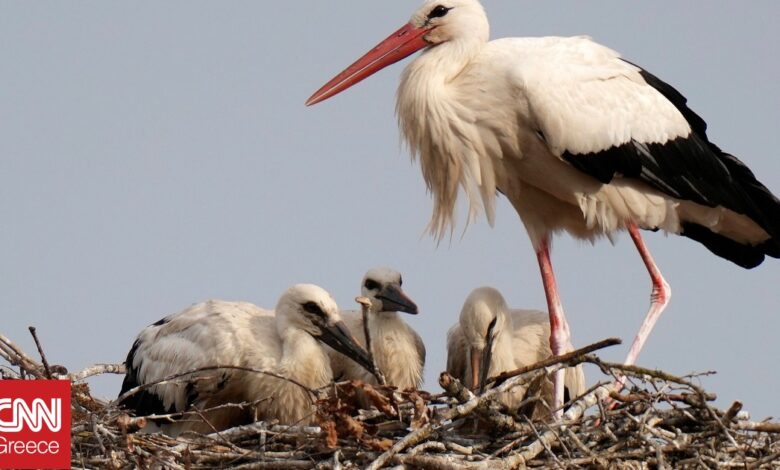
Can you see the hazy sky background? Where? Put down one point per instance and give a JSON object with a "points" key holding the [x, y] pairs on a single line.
{"points": [[156, 154]]}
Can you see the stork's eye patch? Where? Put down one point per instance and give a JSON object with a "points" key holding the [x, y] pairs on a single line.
{"points": [[313, 308], [438, 12]]}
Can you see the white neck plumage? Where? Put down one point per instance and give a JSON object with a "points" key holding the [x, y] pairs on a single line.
{"points": [[442, 132]]}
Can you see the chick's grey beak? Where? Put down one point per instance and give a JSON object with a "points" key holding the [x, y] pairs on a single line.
{"points": [[484, 366], [394, 300], [339, 338]]}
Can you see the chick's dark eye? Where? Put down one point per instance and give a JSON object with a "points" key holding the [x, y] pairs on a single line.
{"points": [[400, 281], [371, 284], [438, 12], [491, 326], [312, 307]]}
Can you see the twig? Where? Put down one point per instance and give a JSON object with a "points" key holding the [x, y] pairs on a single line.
{"points": [[731, 413], [545, 445], [96, 433], [427, 446], [767, 459], [555, 360], [758, 427], [184, 414], [638, 371], [97, 369], [15, 356], [6, 372], [313, 393], [459, 448], [40, 351], [365, 305], [434, 462], [275, 465], [128, 423]]}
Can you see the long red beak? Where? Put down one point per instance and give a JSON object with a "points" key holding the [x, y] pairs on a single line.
{"points": [[399, 45]]}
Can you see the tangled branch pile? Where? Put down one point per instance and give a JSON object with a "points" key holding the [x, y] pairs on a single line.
{"points": [[659, 421]]}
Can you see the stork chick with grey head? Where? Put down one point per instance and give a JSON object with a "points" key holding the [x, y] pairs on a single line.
{"points": [[398, 350]]}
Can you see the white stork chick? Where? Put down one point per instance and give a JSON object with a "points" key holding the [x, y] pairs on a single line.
{"points": [[287, 342], [490, 339], [578, 140], [398, 350]]}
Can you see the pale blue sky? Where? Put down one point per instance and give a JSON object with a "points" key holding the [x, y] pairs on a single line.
{"points": [[155, 154]]}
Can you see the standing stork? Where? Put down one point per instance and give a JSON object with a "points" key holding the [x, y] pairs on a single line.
{"points": [[578, 139], [490, 338], [398, 350], [286, 342]]}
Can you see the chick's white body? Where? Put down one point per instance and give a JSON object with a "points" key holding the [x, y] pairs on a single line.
{"points": [[224, 333], [520, 338]]}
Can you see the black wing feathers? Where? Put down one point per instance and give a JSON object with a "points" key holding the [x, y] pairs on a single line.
{"points": [[143, 403], [694, 169], [739, 254]]}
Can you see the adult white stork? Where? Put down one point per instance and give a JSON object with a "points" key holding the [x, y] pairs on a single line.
{"points": [[285, 342], [578, 139], [398, 350], [490, 338]]}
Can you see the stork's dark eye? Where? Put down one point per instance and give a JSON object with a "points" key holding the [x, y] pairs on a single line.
{"points": [[491, 326], [438, 12], [312, 307], [371, 284]]}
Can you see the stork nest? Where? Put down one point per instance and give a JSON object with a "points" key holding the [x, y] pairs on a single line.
{"points": [[659, 420]]}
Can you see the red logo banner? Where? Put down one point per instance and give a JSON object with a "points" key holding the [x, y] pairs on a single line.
{"points": [[34, 424]]}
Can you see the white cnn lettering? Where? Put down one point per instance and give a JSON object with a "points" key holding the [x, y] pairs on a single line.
{"points": [[34, 416]]}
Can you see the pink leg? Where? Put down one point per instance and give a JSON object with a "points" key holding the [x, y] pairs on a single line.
{"points": [[658, 299], [560, 337]]}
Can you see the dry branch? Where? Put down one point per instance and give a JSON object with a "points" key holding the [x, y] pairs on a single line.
{"points": [[46, 368], [365, 304], [97, 369], [314, 394], [16, 357], [555, 360]]}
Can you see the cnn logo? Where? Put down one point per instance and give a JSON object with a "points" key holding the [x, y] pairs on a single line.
{"points": [[35, 424], [34, 416]]}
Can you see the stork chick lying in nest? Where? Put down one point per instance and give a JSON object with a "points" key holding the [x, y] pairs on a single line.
{"points": [[287, 342], [490, 338]]}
